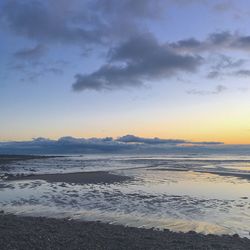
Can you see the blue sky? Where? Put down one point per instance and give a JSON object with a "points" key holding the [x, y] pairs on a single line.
{"points": [[167, 69]]}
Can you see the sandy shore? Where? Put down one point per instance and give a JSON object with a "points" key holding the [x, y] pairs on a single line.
{"points": [[45, 233], [76, 178]]}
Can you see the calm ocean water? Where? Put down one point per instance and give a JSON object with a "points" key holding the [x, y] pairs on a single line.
{"points": [[205, 193]]}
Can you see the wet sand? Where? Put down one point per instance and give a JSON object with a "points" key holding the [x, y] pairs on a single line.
{"points": [[76, 178], [32, 233], [232, 174]]}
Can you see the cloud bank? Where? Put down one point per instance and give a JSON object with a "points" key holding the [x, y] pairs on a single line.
{"points": [[124, 144]]}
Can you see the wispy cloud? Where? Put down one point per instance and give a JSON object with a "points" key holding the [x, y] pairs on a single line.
{"points": [[216, 41], [218, 89], [31, 53], [242, 72]]}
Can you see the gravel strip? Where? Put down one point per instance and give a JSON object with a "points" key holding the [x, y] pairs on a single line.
{"points": [[46, 233]]}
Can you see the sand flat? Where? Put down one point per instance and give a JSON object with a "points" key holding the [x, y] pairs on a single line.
{"points": [[94, 177]]}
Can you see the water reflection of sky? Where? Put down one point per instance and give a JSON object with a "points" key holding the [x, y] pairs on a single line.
{"points": [[180, 200]]}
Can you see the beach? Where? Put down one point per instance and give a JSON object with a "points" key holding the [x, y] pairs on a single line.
{"points": [[123, 202]]}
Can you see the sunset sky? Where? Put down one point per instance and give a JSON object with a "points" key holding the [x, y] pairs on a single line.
{"points": [[173, 69]]}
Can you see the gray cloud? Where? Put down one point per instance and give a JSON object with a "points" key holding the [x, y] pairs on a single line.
{"points": [[187, 44], [108, 23], [100, 21], [226, 62], [136, 139], [31, 53], [235, 73], [139, 59], [83, 22], [51, 21], [32, 70], [242, 72], [108, 77], [224, 6], [78, 22], [135, 9], [223, 66], [218, 89], [214, 74], [54, 70], [215, 41]]}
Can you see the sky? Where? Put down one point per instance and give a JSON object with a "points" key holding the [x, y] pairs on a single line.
{"points": [[171, 69]]}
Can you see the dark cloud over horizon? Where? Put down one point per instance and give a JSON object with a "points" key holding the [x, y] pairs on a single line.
{"points": [[123, 144]]}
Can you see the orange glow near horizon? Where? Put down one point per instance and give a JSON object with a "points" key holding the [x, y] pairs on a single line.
{"points": [[193, 125]]}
